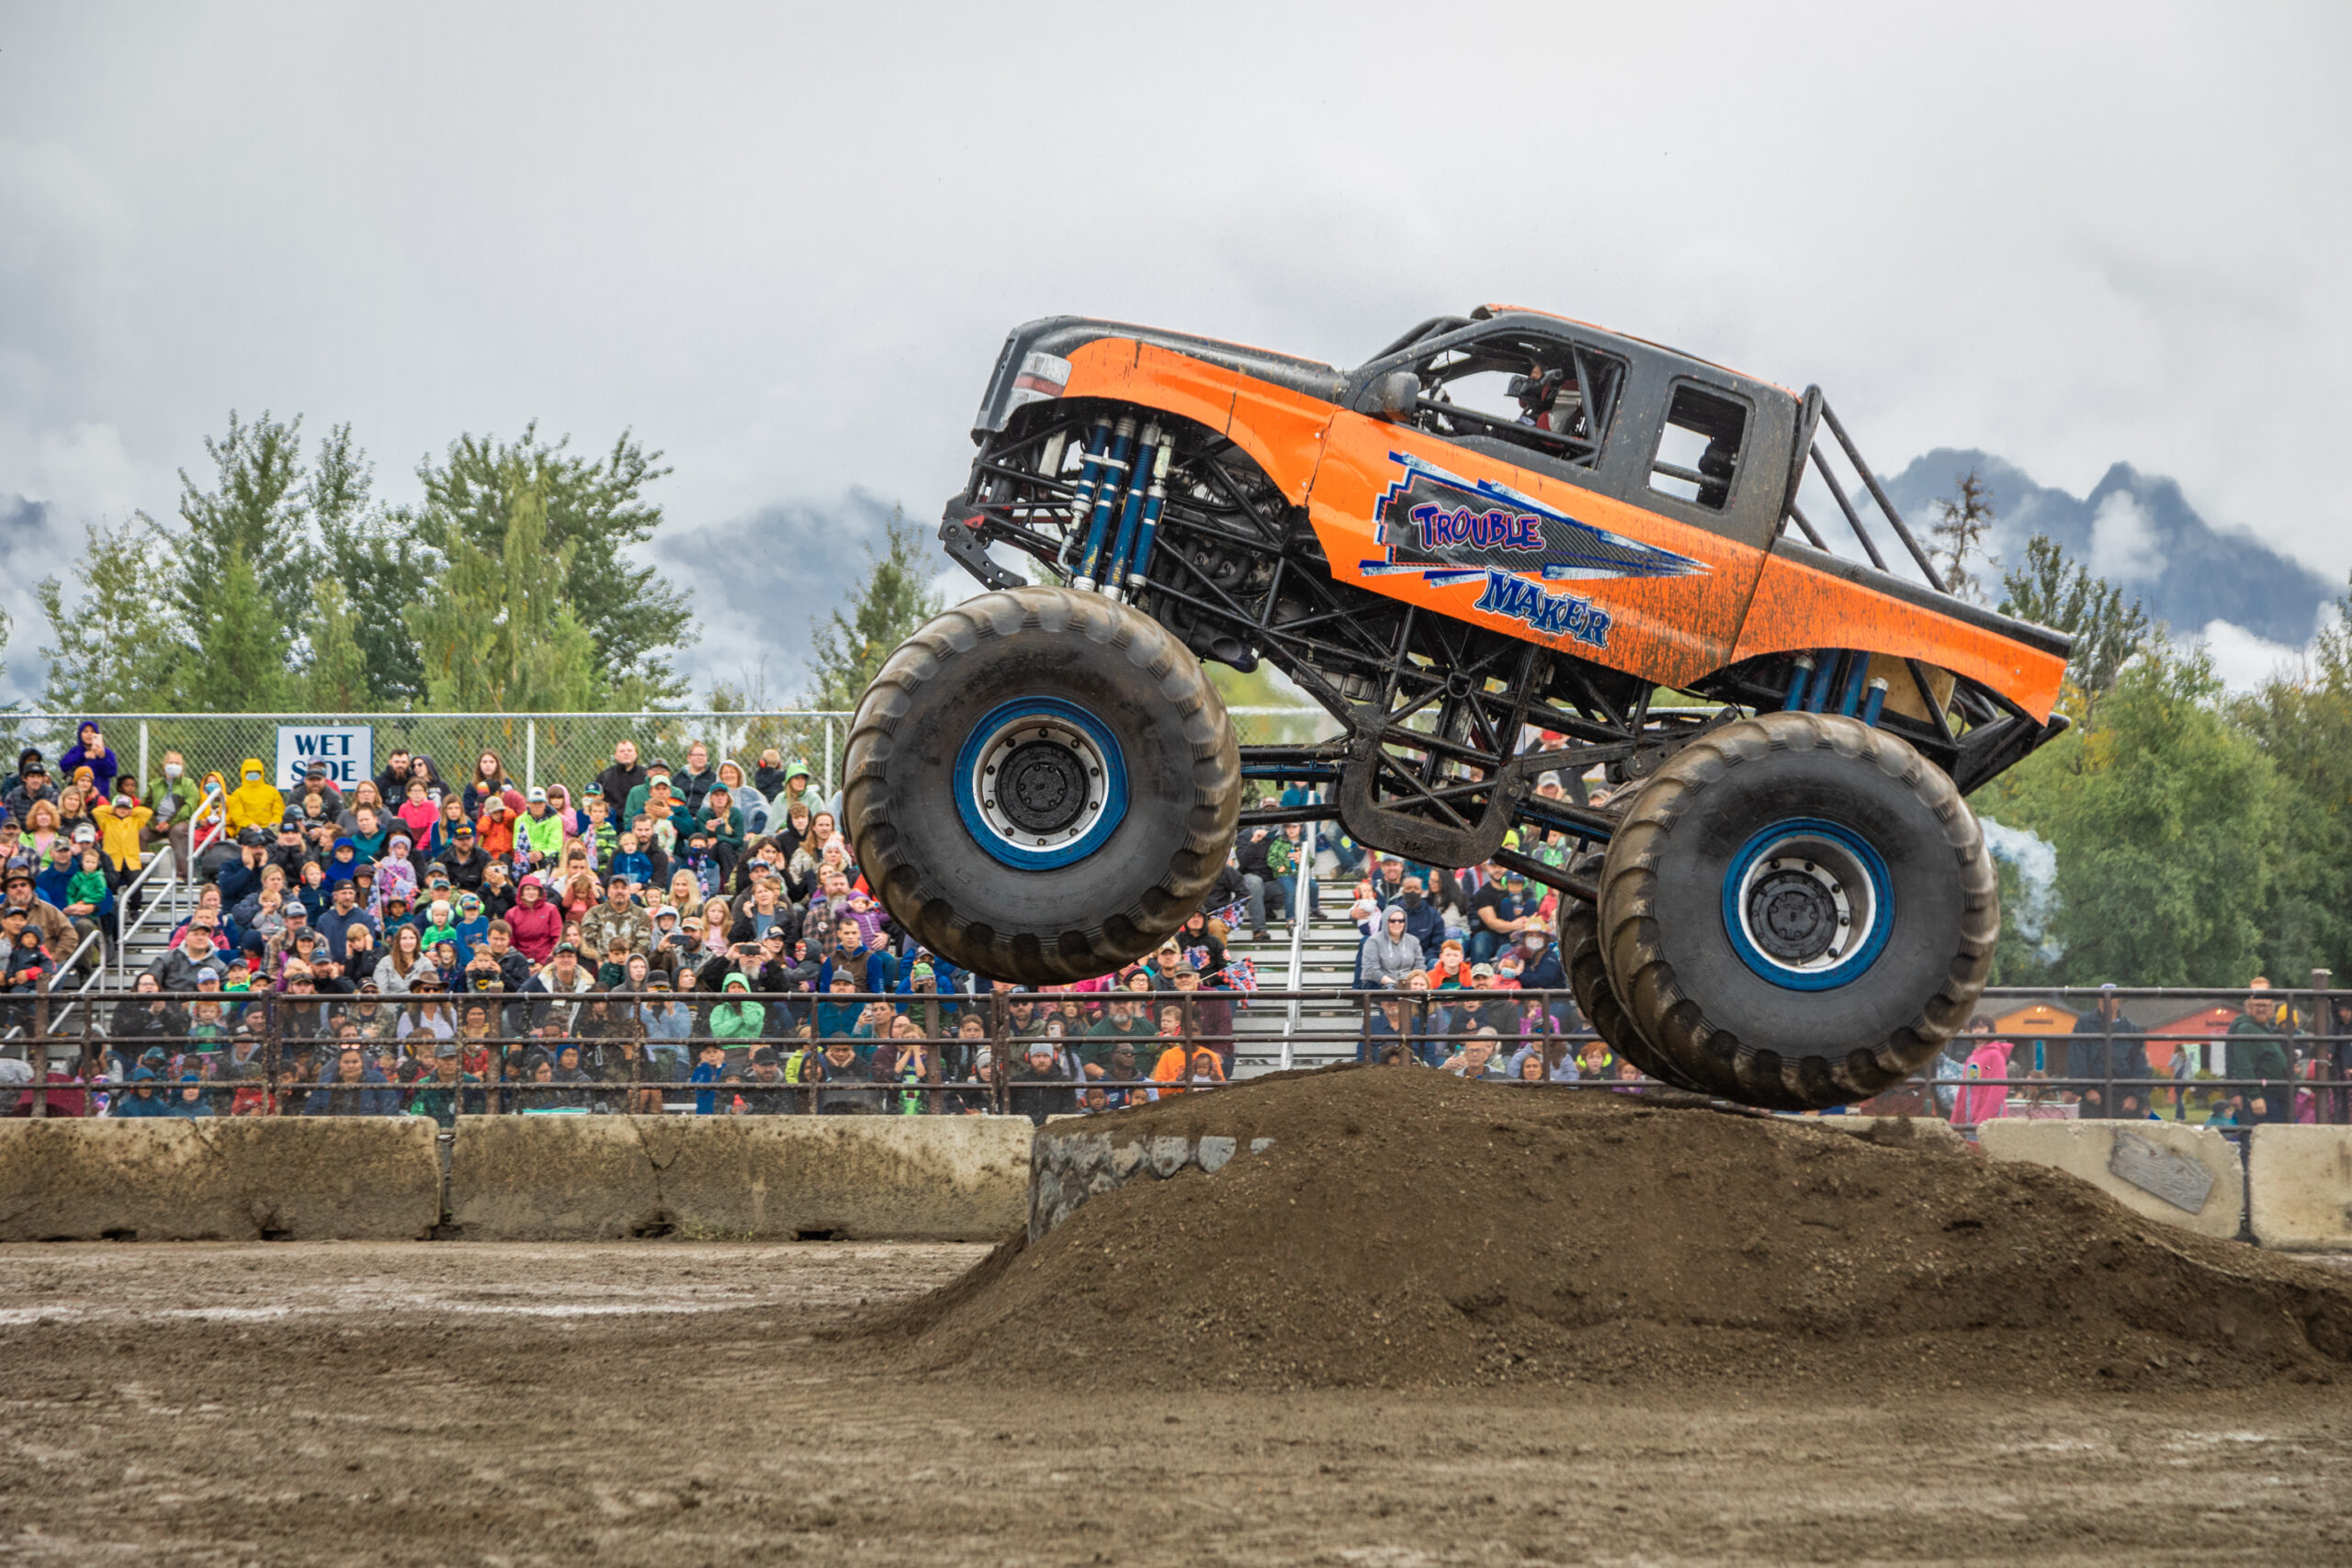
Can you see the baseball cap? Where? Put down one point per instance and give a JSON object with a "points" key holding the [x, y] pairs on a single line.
{"points": [[253, 836], [1486, 969], [295, 909], [764, 1057], [797, 768], [537, 796], [122, 802], [17, 874], [316, 767], [208, 973], [85, 834], [735, 982], [448, 1048], [572, 948], [592, 787]]}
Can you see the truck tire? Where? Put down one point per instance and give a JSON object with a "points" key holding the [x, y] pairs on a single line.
{"points": [[1801, 906], [1124, 784], [1597, 998]]}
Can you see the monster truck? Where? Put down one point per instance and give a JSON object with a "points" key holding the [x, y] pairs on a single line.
{"points": [[1507, 545]]}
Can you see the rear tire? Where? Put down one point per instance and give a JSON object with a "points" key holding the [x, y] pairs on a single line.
{"points": [[1121, 783], [1801, 906]]}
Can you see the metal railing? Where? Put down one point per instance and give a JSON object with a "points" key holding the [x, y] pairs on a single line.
{"points": [[181, 876], [536, 747], [1300, 900]]}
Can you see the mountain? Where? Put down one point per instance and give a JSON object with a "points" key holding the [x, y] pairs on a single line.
{"points": [[2139, 531]]}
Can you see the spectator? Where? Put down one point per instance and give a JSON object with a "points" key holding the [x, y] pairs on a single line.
{"points": [[254, 804], [2258, 1051], [488, 783], [617, 783], [356, 1088], [2087, 1062], [342, 915], [32, 787], [1040, 1088], [48, 923], [1388, 954], [618, 918], [747, 798], [539, 832], [1498, 912], [1186, 1062], [1981, 1099], [1477, 1057], [535, 923], [696, 780], [90, 750], [1251, 854], [122, 826]]}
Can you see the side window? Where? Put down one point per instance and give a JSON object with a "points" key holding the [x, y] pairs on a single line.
{"points": [[1697, 449], [1546, 395]]}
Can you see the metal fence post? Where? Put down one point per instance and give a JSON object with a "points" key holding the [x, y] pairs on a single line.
{"points": [[2325, 1101], [829, 784], [530, 753], [143, 774]]}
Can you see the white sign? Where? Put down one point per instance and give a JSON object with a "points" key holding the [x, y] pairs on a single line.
{"points": [[348, 750]]}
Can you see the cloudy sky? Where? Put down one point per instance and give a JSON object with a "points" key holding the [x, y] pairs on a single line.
{"points": [[783, 243]]}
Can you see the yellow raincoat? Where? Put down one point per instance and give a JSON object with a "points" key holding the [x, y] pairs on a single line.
{"points": [[119, 833], [254, 804]]}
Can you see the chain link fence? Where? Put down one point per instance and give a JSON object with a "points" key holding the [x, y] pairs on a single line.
{"points": [[537, 748]]}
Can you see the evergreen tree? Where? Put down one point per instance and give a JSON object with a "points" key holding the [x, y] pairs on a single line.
{"points": [[635, 617], [1960, 526], [238, 661], [115, 647], [2052, 590], [890, 605], [380, 564], [498, 633], [338, 680], [258, 507]]}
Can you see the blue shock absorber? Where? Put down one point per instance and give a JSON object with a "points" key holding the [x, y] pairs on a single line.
{"points": [[1115, 566], [1082, 500], [1141, 565], [1800, 676], [1875, 701], [1823, 678], [1106, 499], [1858, 666]]}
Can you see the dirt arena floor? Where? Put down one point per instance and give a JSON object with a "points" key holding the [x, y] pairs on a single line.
{"points": [[680, 1404]]}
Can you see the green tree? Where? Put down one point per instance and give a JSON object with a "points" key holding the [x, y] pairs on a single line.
{"points": [[1958, 533], [2052, 590], [115, 647], [237, 662], [2163, 816], [890, 605], [635, 619], [258, 507], [381, 563], [338, 680], [498, 633], [2305, 727]]}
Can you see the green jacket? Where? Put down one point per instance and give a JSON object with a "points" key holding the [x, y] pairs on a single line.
{"points": [[544, 834], [2249, 1056], [737, 1020], [727, 830]]}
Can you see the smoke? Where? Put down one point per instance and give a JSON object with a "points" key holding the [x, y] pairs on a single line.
{"points": [[2035, 860]]}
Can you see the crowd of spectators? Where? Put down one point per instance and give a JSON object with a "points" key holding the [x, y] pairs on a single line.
{"points": [[662, 933]]}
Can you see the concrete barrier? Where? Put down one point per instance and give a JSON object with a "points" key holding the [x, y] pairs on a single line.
{"points": [[2183, 1176], [2299, 1182], [219, 1179], [852, 1177]]}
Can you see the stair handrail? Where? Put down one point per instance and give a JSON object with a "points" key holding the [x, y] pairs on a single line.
{"points": [[82, 991], [198, 843], [1299, 901]]}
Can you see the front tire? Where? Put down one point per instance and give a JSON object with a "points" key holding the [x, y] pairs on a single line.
{"points": [[1800, 907], [1041, 785]]}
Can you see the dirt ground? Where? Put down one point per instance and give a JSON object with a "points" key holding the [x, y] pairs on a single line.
{"points": [[690, 1402]]}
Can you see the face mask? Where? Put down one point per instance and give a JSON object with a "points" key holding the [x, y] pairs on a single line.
{"points": [[1412, 900], [171, 770]]}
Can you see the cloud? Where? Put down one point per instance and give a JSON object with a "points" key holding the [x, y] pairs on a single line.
{"points": [[2125, 547], [2244, 661]]}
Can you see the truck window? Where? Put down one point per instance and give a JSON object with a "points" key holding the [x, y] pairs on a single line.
{"points": [[1698, 449], [1548, 396]]}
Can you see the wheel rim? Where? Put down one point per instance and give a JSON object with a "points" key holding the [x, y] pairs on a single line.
{"points": [[1807, 905], [1040, 784]]}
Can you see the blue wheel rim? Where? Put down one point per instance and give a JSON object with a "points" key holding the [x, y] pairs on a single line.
{"points": [[1055, 724], [1852, 878]]}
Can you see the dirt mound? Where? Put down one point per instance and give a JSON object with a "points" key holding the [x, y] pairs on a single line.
{"points": [[1405, 1229]]}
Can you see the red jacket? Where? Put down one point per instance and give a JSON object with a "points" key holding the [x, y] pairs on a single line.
{"points": [[538, 927]]}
